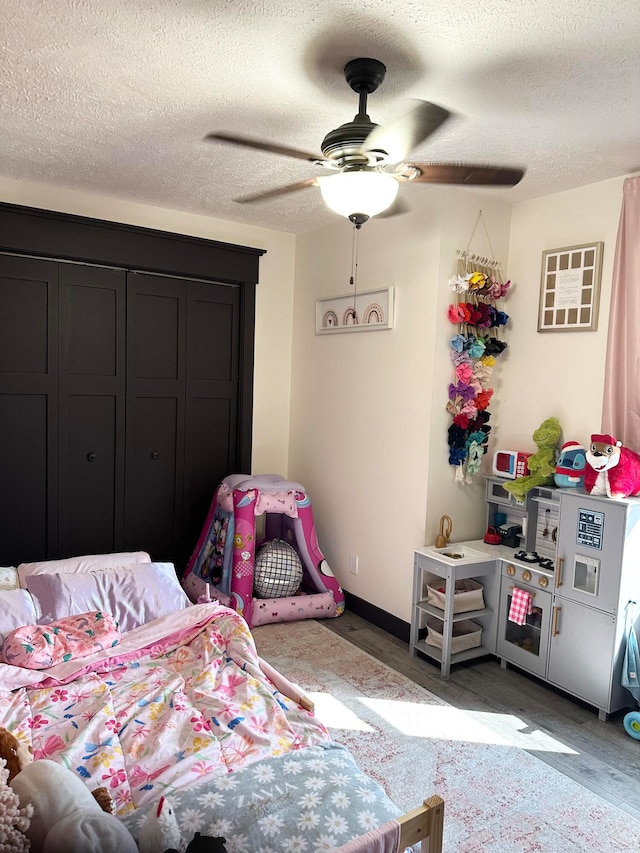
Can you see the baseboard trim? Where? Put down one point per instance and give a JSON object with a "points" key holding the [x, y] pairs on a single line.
{"points": [[378, 617]]}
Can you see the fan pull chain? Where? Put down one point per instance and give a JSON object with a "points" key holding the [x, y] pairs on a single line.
{"points": [[355, 245]]}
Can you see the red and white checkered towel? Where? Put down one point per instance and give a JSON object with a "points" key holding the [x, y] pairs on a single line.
{"points": [[520, 606]]}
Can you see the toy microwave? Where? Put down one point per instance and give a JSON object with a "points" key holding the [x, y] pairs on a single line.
{"points": [[510, 463]]}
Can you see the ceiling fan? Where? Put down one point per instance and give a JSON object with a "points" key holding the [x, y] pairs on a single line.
{"points": [[367, 161]]}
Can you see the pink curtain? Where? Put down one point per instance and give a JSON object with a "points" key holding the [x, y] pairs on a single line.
{"points": [[621, 405]]}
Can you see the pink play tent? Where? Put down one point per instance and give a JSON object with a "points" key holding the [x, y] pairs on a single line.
{"points": [[223, 561]]}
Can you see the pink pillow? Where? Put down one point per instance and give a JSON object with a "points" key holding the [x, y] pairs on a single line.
{"points": [[42, 646]]}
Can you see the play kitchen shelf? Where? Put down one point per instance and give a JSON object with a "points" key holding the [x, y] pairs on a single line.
{"points": [[452, 613], [537, 515]]}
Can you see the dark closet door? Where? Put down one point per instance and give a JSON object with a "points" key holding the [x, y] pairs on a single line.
{"points": [[156, 361], [28, 409], [212, 401], [92, 409], [183, 366]]}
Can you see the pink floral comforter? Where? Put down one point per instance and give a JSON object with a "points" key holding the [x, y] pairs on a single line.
{"points": [[184, 698]]}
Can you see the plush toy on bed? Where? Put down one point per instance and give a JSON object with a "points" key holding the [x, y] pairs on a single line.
{"points": [[206, 844], [542, 463], [66, 815], [611, 470], [14, 819], [160, 832]]}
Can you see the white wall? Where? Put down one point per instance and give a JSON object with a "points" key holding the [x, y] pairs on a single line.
{"points": [[556, 373], [274, 298], [368, 419]]}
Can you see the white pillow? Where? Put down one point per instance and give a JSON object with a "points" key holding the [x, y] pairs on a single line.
{"points": [[87, 563], [9, 578], [17, 608], [133, 595]]}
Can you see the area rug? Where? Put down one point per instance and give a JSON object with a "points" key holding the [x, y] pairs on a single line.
{"points": [[498, 797]]}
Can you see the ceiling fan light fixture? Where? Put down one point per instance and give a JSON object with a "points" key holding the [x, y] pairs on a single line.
{"points": [[358, 193]]}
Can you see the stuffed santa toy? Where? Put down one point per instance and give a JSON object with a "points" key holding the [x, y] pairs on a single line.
{"points": [[611, 469]]}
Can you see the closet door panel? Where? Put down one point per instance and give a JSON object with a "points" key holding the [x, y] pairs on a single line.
{"points": [[88, 512], [153, 494], [156, 345], [208, 462], [28, 409], [211, 400], [24, 420], [156, 349], [92, 409]]}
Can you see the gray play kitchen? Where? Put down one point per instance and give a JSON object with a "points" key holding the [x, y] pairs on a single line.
{"points": [[551, 601]]}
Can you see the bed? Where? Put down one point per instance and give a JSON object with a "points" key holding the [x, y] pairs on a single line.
{"points": [[169, 698]]}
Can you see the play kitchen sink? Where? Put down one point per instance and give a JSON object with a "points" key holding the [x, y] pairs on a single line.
{"points": [[456, 553]]}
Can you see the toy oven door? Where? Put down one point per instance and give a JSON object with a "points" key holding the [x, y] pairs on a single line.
{"points": [[525, 645]]}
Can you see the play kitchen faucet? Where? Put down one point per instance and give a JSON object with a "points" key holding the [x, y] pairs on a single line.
{"points": [[443, 537]]}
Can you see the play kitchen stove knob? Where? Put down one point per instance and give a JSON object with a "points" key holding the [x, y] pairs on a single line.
{"points": [[511, 570], [526, 575], [542, 581]]}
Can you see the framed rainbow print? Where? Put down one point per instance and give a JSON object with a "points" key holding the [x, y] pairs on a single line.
{"points": [[368, 311]]}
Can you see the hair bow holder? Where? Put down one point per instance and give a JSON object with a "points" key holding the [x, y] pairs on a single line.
{"points": [[476, 343]]}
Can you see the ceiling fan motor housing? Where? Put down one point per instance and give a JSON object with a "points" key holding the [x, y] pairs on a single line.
{"points": [[343, 146], [345, 142], [364, 74]]}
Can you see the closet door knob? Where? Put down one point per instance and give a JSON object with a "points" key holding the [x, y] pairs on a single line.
{"points": [[91, 457], [154, 454]]}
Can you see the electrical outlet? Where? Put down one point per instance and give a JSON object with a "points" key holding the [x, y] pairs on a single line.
{"points": [[353, 564]]}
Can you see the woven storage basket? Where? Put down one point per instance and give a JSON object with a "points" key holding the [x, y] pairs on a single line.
{"points": [[468, 596], [466, 635]]}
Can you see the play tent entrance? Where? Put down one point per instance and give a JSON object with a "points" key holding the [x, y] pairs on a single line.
{"points": [[224, 560]]}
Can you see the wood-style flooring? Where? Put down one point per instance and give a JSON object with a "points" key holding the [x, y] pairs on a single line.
{"points": [[599, 755]]}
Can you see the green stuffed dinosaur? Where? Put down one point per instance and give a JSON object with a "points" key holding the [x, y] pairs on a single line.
{"points": [[542, 464]]}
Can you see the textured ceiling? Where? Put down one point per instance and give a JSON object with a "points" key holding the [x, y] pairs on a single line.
{"points": [[115, 96]]}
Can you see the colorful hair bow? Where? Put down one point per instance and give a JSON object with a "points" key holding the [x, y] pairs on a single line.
{"points": [[457, 343], [483, 398], [476, 348], [464, 372], [458, 284]]}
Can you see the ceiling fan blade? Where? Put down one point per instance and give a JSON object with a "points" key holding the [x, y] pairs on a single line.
{"points": [[300, 185], [400, 137], [264, 146], [457, 173]]}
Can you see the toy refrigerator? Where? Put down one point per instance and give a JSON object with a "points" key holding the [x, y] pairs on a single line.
{"points": [[597, 573]]}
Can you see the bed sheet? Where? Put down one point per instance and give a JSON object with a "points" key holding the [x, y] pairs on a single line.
{"points": [[183, 699]]}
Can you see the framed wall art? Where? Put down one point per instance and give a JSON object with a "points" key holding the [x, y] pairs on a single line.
{"points": [[368, 311], [570, 288]]}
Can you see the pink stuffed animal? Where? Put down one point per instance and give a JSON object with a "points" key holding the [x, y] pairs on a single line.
{"points": [[611, 469]]}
